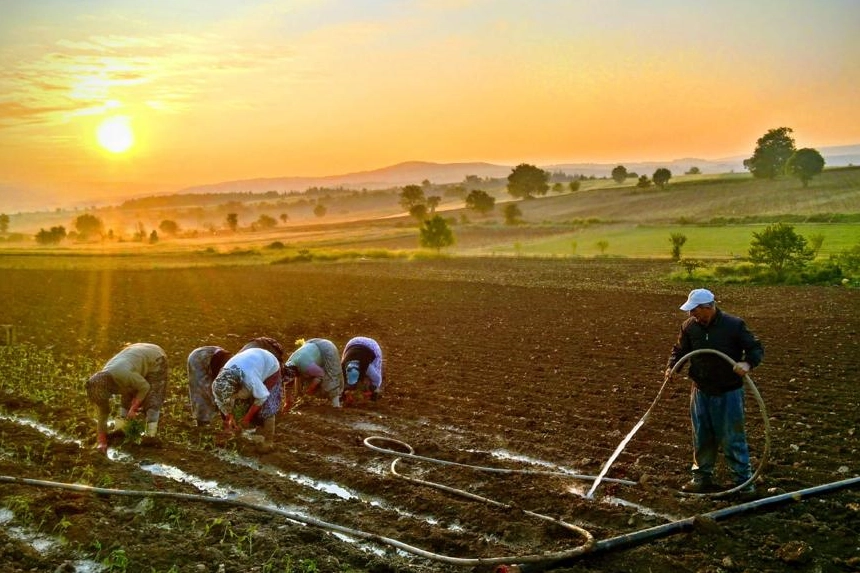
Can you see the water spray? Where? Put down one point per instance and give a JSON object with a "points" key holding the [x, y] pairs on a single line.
{"points": [[747, 382]]}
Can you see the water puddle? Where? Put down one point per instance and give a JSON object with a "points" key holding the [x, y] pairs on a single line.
{"points": [[330, 488], [206, 486], [212, 488], [505, 455], [640, 508], [580, 491], [112, 453], [42, 543], [42, 428], [369, 427]]}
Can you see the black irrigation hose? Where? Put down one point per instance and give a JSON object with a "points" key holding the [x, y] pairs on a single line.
{"points": [[635, 538], [749, 384]]}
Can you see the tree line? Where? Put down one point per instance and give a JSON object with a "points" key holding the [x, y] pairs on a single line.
{"points": [[775, 154]]}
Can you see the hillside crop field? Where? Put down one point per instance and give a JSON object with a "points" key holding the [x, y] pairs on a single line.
{"points": [[515, 363], [718, 214]]}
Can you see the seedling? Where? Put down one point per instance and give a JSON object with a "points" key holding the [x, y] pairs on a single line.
{"points": [[62, 526], [133, 431], [173, 515], [116, 561]]}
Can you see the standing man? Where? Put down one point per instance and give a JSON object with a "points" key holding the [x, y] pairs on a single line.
{"points": [[138, 373], [717, 395]]}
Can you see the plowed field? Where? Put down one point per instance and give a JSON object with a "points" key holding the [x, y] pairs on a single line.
{"points": [[521, 364]]}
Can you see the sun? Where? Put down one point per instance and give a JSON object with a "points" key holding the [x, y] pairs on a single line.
{"points": [[115, 134]]}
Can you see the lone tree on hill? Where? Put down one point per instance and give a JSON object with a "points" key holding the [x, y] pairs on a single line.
{"points": [[169, 227], [661, 177], [780, 248], [4, 222], [433, 201], [233, 221], [527, 180], [772, 151], [512, 214], [52, 237], [480, 201], [418, 212], [619, 174], [410, 196], [643, 182], [266, 222], [88, 225], [677, 240], [805, 164], [436, 234]]}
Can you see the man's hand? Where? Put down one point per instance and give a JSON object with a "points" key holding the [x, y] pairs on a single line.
{"points": [[668, 373], [742, 368]]}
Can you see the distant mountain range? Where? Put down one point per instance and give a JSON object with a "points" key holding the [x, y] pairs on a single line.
{"points": [[417, 171], [13, 199]]}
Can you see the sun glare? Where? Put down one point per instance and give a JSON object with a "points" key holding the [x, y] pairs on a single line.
{"points": [[115, 134]]}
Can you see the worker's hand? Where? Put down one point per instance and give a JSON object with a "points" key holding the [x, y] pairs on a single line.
{"points": [[132, 411], [230, 424], [742, 368], [102, 442], [368, 394], [249, 415]]}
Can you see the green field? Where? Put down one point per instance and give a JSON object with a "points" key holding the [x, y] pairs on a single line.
{"points": [[711, 242], [717, 213]]}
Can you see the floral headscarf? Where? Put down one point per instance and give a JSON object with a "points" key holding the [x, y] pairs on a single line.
{"points": [[225, 386]]}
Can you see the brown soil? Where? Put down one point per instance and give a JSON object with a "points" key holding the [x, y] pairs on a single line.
{"points": [[554, 361]]}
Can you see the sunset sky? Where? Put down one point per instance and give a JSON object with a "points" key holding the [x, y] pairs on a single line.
{"points": [[206, 91]]}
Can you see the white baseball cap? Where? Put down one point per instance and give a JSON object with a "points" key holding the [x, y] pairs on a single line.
{"points": [[697, 296]]}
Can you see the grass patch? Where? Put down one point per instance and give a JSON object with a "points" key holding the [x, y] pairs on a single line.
{"points": [[652, 241]]}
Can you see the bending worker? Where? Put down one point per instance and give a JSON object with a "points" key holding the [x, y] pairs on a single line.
{"points": [[250, 378], [204, 364], [316, 365], [362, 368], [138, 373]]}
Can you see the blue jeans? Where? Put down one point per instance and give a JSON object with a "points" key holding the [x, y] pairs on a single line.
{"points": [[718, 422]]}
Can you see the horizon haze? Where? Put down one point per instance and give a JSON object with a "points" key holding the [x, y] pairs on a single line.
{"points": [[105, 101]]}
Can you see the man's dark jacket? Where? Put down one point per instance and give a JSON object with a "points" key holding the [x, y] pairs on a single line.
{"points": [[727, 333]]}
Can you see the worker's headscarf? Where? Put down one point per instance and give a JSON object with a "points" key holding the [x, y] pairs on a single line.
{"points": [[100, 387], [224, 388]]}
